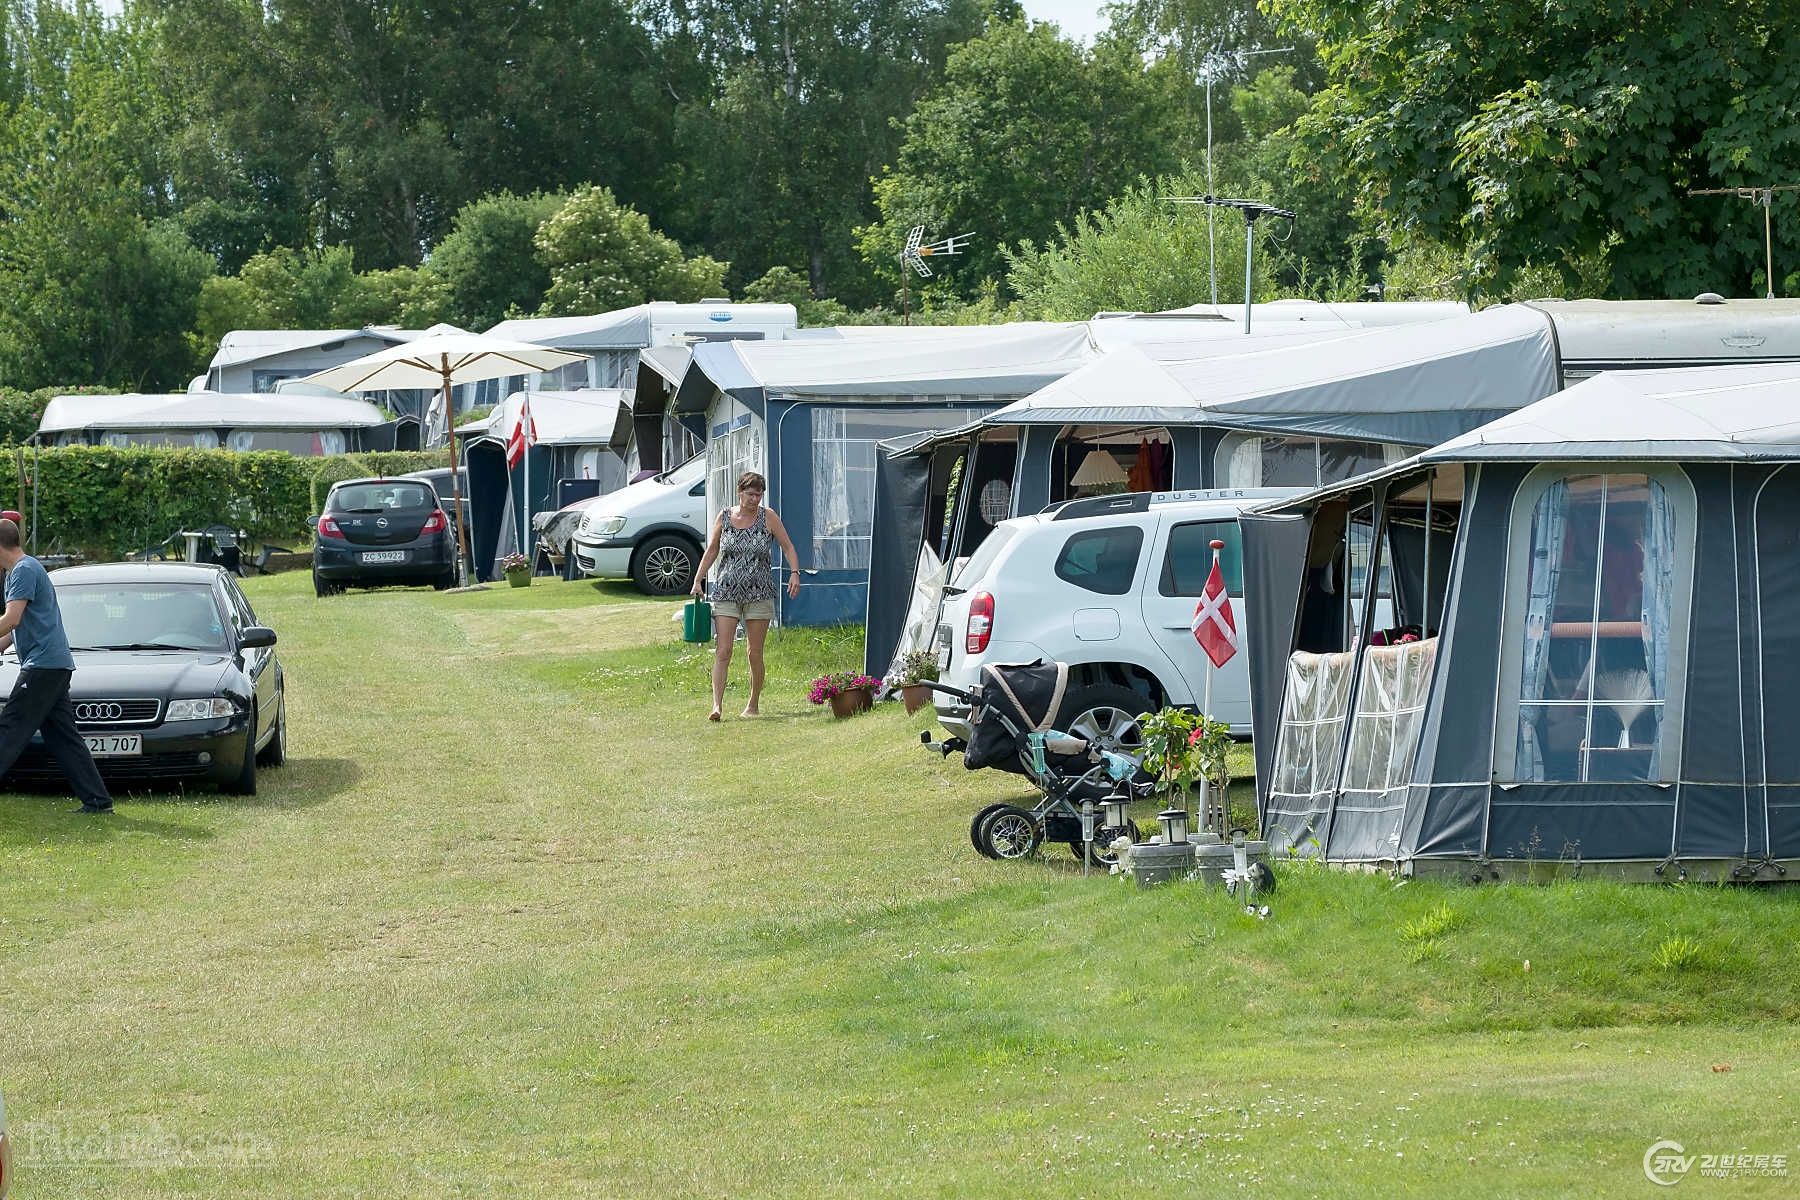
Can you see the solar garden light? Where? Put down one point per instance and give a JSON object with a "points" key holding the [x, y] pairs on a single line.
{"points": [[1115, 806], [1175, 824], [1087, 835]]}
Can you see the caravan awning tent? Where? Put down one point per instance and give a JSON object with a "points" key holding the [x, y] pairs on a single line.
{"points": [[1594, 601], [1412, 385]]}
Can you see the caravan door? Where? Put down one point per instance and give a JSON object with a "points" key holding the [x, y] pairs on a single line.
{"points": [[1183, 559]]}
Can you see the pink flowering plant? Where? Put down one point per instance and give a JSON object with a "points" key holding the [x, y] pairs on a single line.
{"points": [[827, 686]]}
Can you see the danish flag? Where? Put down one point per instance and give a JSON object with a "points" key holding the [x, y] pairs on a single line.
{"points": [[1214, 627], [524, 434]]}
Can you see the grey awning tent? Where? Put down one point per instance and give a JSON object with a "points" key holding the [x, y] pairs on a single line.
{"points": [[1594, 603], [1409, 385]]}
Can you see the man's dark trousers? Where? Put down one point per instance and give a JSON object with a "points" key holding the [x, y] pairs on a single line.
{"points": [[40, 701]]}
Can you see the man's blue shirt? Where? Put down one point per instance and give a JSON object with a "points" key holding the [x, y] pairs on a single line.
{"points": [[39, 639]]}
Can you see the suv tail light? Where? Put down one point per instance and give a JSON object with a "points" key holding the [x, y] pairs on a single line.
{"points": [[437, 522], [328, 527], [981, 623]]}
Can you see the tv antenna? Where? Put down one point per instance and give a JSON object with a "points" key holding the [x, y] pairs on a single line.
{"points": [[1253, 211], [913, 256], [1218, 64], [1763, 196]]}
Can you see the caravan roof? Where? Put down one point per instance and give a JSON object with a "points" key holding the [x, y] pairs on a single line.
{"points": [[650, 324]]}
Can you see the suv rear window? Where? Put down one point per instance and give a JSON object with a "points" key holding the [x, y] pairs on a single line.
{"points": [[383, 497], [1101, 560], [984, 556], [1188, 560]]}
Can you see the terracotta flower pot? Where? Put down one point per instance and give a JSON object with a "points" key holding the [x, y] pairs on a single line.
{"points": [[520, 577], [916, 696], [851, 701]]}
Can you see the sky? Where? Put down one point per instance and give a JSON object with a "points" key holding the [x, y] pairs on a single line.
{"points": [[1080, 19]]}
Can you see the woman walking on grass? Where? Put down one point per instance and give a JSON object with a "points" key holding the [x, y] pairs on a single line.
{"points": [[743, 588]]}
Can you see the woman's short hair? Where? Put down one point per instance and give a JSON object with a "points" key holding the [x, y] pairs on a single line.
{"points": [[750, 481]]}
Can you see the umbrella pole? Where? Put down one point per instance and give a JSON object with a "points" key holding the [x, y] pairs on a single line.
{"points": [[462, 520]]}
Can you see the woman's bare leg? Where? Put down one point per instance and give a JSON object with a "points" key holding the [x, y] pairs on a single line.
{"points": [[754, 633], [724, 633]]}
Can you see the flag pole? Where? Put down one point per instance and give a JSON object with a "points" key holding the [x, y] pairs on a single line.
{"points": [[1206, 813], [525, 542]]}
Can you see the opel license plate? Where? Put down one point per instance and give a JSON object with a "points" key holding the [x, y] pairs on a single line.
{"points": [[370, 557], [115, 745]]}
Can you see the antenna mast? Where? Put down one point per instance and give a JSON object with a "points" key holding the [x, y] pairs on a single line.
{"points": [[1763, 196]]}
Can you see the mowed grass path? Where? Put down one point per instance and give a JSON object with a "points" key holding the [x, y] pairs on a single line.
{"points": [[515, 921]]}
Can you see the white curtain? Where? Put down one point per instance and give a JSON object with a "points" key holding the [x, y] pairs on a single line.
{"points": [[1549, 527]]}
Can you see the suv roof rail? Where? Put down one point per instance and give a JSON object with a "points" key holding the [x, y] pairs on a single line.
{"points": [[1137, 502]]}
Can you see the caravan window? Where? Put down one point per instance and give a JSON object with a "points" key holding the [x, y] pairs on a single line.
{"points": [[1249, 460], [1597, 633]]}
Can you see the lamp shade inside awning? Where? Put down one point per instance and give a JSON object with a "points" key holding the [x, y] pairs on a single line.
{"points": [[1098, 469]]}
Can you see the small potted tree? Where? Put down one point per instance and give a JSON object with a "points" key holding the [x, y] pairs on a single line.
{"points": [[1181, 748], [848, 692], [917, 668], [517, 569]]}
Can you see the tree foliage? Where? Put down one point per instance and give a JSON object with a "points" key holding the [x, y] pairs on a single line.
{"points": [[1027, 129], [603, 255], [488, 262], [1560, 134]]}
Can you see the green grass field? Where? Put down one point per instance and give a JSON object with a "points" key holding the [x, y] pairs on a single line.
{"points": [[516, 921]]}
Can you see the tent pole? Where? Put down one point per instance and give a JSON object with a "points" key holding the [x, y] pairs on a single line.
{"points": [[1425, 600], [462, 533]]}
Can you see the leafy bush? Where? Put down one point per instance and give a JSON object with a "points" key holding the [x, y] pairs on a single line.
{"points": [[104, 501]]}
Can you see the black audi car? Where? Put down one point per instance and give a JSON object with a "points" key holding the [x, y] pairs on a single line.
{"points": [[174, 679], [376, 532]]}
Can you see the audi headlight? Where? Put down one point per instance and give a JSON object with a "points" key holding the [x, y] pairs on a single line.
{"points": [[604, 526], [200, 710]]}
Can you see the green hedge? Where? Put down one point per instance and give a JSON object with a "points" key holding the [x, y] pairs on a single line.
{"points": [[104, 501]]}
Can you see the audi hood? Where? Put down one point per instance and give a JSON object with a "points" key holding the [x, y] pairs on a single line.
{"points": [[162, 674]]}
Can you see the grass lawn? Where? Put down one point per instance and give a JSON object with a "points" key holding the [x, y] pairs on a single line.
{"points": [[516, 921]]}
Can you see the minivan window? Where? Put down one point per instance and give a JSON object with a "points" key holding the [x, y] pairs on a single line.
{"points": [[1188, 560], [1101, 560], [382, 497]]}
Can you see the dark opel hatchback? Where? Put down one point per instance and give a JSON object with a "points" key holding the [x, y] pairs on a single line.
{"points": [[375, 532]]}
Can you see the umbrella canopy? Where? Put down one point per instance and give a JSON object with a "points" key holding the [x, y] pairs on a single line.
{"points": [[443, 356]]}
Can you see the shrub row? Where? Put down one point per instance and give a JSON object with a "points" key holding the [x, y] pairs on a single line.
{"points": [[105, 501]]}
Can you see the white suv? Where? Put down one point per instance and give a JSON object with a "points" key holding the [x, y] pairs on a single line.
{"points": [[1107, 585], [651, 532]]}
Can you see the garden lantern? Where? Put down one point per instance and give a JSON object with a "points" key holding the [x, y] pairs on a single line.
{"points": [[1115, 816], [1175, 824]]}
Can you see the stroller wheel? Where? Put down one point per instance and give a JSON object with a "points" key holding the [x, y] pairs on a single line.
{"points": [[1010, 832], [975, 827]]}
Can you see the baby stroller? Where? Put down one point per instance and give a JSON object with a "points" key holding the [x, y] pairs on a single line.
{"points": [[1009, 720]]}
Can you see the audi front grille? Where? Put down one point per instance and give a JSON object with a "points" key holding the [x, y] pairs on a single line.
{"points": [[92, 713]]}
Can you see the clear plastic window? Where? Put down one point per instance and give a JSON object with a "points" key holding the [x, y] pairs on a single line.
{"points": [[1594, 675]]}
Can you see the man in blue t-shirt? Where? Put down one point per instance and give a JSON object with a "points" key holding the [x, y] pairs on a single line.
{"points": [[40, 699]]}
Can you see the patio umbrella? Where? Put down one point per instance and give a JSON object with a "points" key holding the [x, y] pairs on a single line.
{"points": [[440, 358]]}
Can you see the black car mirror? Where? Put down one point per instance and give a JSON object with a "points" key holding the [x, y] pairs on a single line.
{"points": [[312, 522], [256, 637]]}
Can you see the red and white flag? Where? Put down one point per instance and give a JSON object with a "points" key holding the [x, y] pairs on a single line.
{"points": [[524, 433], [1214, 627]]}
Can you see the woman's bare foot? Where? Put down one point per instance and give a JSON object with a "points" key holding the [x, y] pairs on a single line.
{"points": [[713, 715], [751, 711]]}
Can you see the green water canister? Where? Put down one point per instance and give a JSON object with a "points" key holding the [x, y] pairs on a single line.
{"points": [[696, 621]]}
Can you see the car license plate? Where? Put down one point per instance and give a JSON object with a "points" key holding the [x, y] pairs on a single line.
{"points": [[115, 745], [371, 557]]}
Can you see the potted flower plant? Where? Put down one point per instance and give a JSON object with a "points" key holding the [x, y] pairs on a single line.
{"points": [[848, 692], [916, 669], [517, 568], [1181, 748]]}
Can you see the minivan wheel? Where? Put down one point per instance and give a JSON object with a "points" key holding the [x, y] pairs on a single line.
{"points": [[1106, 715], [664, 566]]}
